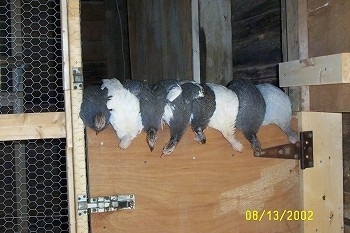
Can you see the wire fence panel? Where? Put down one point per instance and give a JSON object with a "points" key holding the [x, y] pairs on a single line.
{"points": [[33, 186], [31, 56]]}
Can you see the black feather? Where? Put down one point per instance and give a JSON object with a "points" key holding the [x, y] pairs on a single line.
{"points": [[94, 108], [181, 114], [202, 111], [251, 110], [151, 108]]}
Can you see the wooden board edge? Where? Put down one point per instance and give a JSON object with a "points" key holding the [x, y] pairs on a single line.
{"points": [[32, 126], [329, 69]]}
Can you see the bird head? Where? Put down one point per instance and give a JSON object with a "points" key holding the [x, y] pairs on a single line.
{"points": [[100, 122], [151, 138]]}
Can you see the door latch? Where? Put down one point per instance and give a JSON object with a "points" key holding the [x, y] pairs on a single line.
{"points": [[105, 204], [78, 78]]}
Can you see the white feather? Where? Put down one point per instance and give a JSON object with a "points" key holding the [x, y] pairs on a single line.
{"points": [[278, 109], [125, 111], [174, 93], [168, 113], [200, 94], [225, 114], [278, 105]]}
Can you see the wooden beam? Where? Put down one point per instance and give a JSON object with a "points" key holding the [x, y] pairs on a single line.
{"points": [[330, 98], [330, 69], [32, 126], [322, 186]]}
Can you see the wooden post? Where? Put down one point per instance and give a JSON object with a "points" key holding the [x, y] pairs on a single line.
{"points": [[322, 186], [76, 165], [295, 45], [195, 41]]}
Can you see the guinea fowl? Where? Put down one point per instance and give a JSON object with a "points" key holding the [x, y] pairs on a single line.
{"points": [[165, 91], [278, 109], [251, 110], [202, 110], [218, 109], [125, 111], [151, 108], [93, 110], [177, 113]]}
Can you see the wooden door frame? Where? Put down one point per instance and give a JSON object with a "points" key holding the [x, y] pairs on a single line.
{"points": [[75, 135]]}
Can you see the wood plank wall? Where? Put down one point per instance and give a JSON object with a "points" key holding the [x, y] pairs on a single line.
{"points": [[104, 34], [160, 39], [256, 39], [215, 38], [329, 33]]}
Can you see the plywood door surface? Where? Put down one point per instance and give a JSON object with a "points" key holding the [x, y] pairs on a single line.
{"points": [[199, 188]]}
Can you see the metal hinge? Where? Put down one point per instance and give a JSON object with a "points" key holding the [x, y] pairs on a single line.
{"points": [[105, 204], [78, 78], [302, 150]]}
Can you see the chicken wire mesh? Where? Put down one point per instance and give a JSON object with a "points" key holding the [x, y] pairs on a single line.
{"points": [[31, 56], [33, 186]]}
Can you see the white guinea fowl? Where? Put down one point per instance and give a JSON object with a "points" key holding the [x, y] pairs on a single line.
{"points": [[278, 109], [225, 114], [125, 112]]}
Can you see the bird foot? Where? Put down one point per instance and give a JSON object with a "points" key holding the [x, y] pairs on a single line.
{"points": [[169, 147], [256, 147], [151, 138], [200, 137], [293, 138]]}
